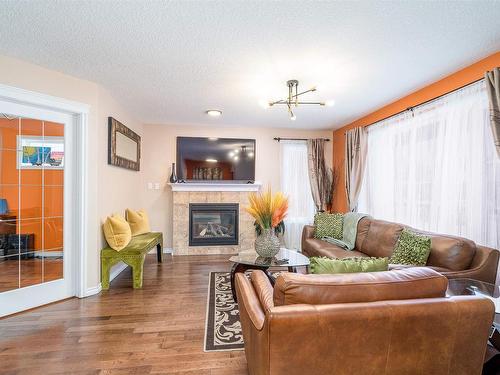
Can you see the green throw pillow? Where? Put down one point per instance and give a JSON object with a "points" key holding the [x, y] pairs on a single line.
{"points": [[411, 249], [348, 265], [328, 225]]}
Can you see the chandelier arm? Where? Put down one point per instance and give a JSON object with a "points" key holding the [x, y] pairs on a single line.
{"points": [[285, 103], [290, 110]]}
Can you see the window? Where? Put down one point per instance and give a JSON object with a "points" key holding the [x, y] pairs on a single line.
{"points": [[295, 184], [436, 168]]}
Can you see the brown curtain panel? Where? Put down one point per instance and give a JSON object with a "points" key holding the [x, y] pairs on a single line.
{"points": [[355, 163], [492, 80], [319, 175]]}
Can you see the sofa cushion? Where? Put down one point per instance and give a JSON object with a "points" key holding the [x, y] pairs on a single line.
{"points": [[381, 238], [328, 225], [453, 253], [408, 283], [412, 248], [316, 247], [322, 265]]}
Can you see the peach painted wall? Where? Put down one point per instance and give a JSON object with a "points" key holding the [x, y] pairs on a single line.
{"points": [[159, 152], [449, 83]]}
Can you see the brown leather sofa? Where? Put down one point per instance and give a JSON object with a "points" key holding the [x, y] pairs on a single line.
{"points": [[454, 257], [394, 322]]}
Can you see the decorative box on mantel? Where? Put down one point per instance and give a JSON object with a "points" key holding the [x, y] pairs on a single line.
{"points": [[186, 194]]}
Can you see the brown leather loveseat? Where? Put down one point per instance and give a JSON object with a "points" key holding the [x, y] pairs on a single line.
{"points": [[394, 322], [454, 257]]}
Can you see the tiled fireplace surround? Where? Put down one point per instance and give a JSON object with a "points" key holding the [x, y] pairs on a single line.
{"points": [[184, 194]]}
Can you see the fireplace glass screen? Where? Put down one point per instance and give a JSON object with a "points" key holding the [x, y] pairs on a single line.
{"points": [[213, 224]]}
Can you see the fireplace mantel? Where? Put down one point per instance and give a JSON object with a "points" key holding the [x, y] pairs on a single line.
{"points": [[214, 186]]}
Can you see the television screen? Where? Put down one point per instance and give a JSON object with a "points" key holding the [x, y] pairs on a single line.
{"points": [[219, 159]]}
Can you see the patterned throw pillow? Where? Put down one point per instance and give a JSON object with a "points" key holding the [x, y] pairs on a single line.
{"points": [[411, 249], [322, 265], [328, 225]]}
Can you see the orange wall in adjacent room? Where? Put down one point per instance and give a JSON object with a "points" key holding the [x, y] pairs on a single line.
{"points": [[449, 83], [29, 183]]}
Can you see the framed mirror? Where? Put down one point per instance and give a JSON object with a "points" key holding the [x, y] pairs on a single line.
{"points": [[124, 146]]}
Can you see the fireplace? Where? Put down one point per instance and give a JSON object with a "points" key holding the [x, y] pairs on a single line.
{"points": [[213, 224]]}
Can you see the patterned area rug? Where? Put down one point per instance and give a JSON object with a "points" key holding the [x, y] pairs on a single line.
{"points": [[222, 326]]}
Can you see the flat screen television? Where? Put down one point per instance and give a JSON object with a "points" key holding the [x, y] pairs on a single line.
{"points": [[215, 159]]}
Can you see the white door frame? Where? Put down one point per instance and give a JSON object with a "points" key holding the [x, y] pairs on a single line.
{"points": [[79, 112]]}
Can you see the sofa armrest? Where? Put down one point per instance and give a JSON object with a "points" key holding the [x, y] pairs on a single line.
{"points": [[484, 266], [248, 301], [307, 233]]}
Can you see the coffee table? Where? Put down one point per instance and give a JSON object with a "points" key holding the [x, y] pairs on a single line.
{"points": [[251, 260]]}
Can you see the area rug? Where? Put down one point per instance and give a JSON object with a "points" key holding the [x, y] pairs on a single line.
{"points": [[222, 325]]}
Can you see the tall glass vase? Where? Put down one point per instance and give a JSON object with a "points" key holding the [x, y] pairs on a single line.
{"points": [[267, 244], [173, 176]]}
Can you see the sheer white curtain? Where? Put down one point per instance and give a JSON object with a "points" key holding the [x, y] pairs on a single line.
{"points": [[295, 184], [436, 169]]}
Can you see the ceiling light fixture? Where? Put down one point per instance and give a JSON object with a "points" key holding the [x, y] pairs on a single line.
{"points": [[214, 112], [211, 160], [293, 98]]}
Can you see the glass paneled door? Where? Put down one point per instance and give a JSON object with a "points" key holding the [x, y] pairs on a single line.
{"points": [[35, 256]]}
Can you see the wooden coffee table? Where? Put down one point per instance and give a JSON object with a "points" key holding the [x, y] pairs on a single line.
{"points": [[251, 261]]}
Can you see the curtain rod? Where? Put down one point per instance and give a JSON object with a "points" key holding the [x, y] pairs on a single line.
{"points": [[424, 102], [297, 139]]}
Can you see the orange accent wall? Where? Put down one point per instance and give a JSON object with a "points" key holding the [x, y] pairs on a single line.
{"points": [[449, 83], [31, 185]]}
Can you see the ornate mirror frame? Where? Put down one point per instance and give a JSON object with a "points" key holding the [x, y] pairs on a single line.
{"points": [[115, 126]]}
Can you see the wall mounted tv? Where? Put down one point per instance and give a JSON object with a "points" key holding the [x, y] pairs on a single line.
{"points": [[215, 159]]}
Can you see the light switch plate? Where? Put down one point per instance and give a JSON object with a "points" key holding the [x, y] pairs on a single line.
{"points": [[150, 185]]}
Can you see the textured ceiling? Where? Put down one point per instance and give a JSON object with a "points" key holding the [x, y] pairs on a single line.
{"points": [[170, 61]]}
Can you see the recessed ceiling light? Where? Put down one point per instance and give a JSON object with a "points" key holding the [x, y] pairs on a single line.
{"points": [[330, 103], [211, 160], [236, 158], [214, 112]]}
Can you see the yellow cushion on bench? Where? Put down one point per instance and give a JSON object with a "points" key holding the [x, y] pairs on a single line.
{"points": [[138, 220], [117, 232]]}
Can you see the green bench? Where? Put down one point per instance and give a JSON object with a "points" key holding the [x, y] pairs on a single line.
{"points": [[132, 255]]}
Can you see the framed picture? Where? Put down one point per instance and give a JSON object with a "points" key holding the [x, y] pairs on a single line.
{"points": [[36, 152], [124, 146]]}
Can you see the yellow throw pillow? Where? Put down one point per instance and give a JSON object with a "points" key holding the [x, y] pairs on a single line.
{"points": [[117, 232], [138, 220]]}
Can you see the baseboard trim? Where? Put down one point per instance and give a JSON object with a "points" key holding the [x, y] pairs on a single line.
{"points": [[166, 250], [92, 291], [119, 268]]}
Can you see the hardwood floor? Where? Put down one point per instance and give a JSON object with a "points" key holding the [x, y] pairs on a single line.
{"points": [[155, 330], [15, 272]]}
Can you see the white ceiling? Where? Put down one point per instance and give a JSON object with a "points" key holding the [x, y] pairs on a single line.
{"points": [[170, 61]]}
